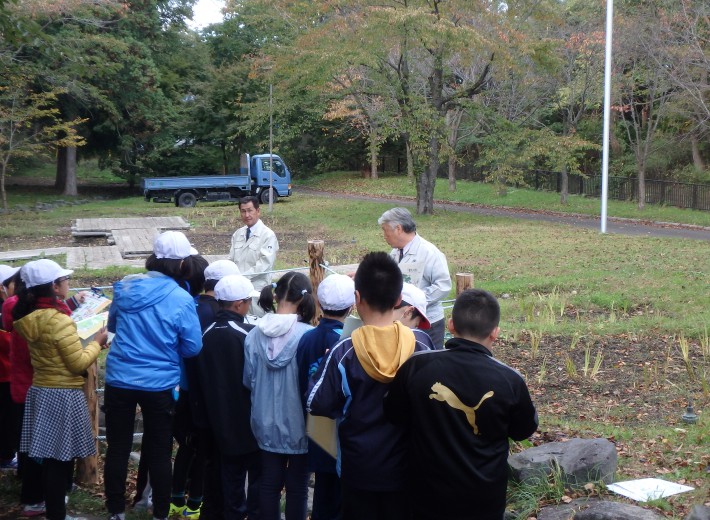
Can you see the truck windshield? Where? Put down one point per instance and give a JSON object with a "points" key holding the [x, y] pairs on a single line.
{"points": [[278, 166]]}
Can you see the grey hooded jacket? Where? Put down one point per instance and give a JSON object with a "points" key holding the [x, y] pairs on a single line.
{"points": [[271, 373]]}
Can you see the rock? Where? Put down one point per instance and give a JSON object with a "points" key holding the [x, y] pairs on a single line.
{"points": [[579, 460], [699, 513], [583, 509]]}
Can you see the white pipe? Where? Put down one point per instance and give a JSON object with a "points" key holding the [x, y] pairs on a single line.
{"points": [[607, 111]]}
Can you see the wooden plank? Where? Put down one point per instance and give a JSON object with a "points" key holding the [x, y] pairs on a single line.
{"points": [[133, 242], [26, 254]]}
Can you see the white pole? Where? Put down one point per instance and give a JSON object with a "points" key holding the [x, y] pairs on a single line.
{"points": [[271, 147], [607, 111]]}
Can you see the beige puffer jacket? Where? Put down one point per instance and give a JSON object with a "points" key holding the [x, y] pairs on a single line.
{"points": [[58, 359]]}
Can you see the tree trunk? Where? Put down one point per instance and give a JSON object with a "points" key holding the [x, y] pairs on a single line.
{"points": [[2, 185], [70, 185], [410, 160], [697, 157], [452, 173], [373, 155], [641, 172], [427, 181], [60, 180], [564, 186]]}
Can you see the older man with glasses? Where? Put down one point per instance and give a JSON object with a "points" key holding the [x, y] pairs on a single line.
{"points": [[422, 265]]}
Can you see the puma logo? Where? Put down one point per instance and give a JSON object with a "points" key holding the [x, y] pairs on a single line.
{"points": [[444, 394]]}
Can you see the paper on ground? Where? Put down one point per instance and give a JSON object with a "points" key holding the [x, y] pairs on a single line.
{"points": [[645, 489]]}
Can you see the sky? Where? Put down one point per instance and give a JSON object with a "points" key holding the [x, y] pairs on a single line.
{"points": [[207, 12]]}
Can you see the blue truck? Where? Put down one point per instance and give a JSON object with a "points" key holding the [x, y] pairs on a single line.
{"points": [[255, 177]]}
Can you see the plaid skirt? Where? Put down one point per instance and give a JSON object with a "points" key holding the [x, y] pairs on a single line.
{"points": [[56, 424]]}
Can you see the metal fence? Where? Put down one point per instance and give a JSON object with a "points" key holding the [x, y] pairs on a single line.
{"points": [[671, 193]]}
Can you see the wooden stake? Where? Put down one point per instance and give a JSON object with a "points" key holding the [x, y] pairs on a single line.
{"points": [[317, 273], [87, 469], [463, 281]]}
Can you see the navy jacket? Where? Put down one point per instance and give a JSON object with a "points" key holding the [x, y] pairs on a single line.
{"points": [[310, 354], [372, 450]]}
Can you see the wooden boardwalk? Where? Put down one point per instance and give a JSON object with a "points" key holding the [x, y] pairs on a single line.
{"points": [[134, 242], [94, 257], [104, 226]]}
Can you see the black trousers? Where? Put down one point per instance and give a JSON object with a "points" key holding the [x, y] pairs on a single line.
{"points": [[11, 421], [234, 472], [189, 467], [359, 504], [158, 410], [54, 482]]}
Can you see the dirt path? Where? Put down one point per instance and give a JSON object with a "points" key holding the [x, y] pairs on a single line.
{"points": [[622, 226]]}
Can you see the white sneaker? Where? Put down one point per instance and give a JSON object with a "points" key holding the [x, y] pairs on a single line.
{"points": [[30, 510]]}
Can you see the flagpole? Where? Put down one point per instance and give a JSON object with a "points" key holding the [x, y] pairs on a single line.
{"points": [[607, 111]]}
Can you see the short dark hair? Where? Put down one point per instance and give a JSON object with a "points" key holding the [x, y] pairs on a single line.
{"points": [[249, 198], [339, 313], [379, 281], [168, 266], [210, 284], [476, 313], [192, 274]]}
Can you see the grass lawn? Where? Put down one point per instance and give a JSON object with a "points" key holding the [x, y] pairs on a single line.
{"points": [[611, 331], [486, 194]]}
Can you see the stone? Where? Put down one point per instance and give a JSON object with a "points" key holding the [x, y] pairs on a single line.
{"points": [[595, 509], [579, 461], [699, 513]]}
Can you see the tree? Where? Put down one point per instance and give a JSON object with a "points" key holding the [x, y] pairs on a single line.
{"points": [[643, 87], [683, 53], [30, 123], [579, 73]]}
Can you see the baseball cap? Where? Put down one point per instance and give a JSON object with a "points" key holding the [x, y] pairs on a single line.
{"points": [[414, 296], [7, 272], [40, 272], [173, 245], [221, 268], [234, 287], [336, 293]]}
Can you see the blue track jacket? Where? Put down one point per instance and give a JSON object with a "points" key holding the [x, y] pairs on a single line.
{"points": [[156, 324]]}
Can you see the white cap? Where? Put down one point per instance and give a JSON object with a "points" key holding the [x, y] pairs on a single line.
{"points": [[336, 293], [173, 245], [234, 287], [221, 268], [414, 296], [40, 272], [7, 272]]}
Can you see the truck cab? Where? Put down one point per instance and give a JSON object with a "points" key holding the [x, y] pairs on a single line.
{"points": [[262, 175]]}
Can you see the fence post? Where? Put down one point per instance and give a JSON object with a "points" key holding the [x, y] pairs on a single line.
{"points": [[463, 281], [317, 273], [87, 469]]}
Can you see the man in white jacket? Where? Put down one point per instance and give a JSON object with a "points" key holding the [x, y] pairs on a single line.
{"points": [[422, 265], [254, 246]]}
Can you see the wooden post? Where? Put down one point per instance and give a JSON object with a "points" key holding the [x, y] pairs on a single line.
{"points": [[317, 273], [87, 469], [463, 281]]}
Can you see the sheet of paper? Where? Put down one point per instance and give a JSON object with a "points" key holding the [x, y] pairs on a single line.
{"points": [[91, 325], [92, 305], [324, 432], [645, 489]]}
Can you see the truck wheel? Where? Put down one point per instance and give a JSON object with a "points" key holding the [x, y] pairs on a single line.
{"points": [[187, 200], [264, 196]]}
